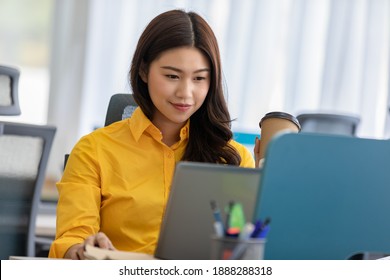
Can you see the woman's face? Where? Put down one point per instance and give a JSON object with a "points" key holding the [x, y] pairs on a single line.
{"points": [[178, 82]]}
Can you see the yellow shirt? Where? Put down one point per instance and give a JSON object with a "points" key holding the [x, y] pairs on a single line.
{"points": [[117, 181]]}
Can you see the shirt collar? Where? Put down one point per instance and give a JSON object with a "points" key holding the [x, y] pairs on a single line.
{"points": [[139, 124]]}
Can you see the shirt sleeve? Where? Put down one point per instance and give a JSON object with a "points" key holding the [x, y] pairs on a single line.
{"points": [[79, 198]]}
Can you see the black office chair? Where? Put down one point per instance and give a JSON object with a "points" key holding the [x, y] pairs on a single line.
{"points": [[9, 102], [24, 153], [120, 107], [329, 123]]}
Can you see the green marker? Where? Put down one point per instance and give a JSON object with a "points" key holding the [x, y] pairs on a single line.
{"points": [[237, 216]]}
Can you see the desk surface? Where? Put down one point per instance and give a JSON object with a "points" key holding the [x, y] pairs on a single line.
{"points": [[29, 258]]}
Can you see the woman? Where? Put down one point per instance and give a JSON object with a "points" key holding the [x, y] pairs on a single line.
{"points": [[117, 180]]}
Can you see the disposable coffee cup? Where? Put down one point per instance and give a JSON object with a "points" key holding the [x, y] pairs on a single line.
{"points": [[229, 248], [274, 123]]}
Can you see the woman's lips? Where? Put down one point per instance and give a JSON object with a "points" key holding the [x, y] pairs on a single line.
{"points": [[181, 107]]}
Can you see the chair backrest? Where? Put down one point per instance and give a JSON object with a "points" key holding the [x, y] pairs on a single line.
{"points": [[120, 107], [24, 153], [329, 123], [9, 80], [327, 196]]}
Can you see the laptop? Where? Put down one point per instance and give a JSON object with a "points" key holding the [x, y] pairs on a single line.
{"points": [[188, 223]]}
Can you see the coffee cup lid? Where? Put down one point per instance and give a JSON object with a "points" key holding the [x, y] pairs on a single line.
{"points": [[281, 115]]}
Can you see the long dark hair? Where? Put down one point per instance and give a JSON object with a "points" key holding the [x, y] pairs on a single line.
{"points": [[209, 126]]}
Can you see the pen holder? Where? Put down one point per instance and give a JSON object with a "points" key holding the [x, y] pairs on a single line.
{"points": [[229, 248]]}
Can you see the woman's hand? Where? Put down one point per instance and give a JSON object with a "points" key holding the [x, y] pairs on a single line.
{"points": [[76, 252], [256, 152]]}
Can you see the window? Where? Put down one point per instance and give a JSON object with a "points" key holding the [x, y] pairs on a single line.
{"points": [[25, 28]]}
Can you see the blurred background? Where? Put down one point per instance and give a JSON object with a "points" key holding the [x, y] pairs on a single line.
{"points": [[278, 55]]}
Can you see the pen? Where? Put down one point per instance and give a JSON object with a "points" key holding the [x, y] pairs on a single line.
{"points": [[257, 229], [265, 228], [245, 234], [218, 224], [264, 231], [261, 228]]}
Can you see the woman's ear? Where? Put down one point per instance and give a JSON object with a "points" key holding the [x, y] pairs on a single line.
{"points": [[143, 73]]}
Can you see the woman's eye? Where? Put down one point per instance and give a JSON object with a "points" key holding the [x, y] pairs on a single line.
{"points": [[173, 77], [200, 78]]}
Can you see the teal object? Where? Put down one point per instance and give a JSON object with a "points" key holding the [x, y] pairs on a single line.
{"points": [[245, 138], [328, 196]]}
